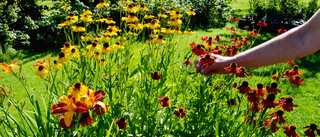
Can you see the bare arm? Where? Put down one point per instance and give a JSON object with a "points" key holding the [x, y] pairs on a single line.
{"points": [[296, 43]]}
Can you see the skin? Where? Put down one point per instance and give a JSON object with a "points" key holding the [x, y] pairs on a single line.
{"points": [[296, 43]]}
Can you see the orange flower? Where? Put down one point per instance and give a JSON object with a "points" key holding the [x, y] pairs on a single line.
{"points": [[282, 30], [8, 68], [290, 62], [287, 104], [260, 90], [68, 106], [243, 73], [234, 19], [233, 68], [244, 88], [155, 75], [93, 99], [164, 101], [310, 131], [268, 102], [207, 60], [254, 33], [295, 71], [256, 107], [198, 50], [296, 80], [217, 38], [261, 23], [122, 123], [290, 131], [273, 89], [180, 112]]}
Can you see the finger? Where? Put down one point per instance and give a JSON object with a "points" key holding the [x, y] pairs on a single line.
{"points": [[210, 73], [198, 65], [207, 69]]}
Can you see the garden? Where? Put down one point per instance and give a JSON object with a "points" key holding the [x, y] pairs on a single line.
{"points": [[126, 68]]}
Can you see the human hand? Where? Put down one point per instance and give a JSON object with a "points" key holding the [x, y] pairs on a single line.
{"points": [[217, 68]]}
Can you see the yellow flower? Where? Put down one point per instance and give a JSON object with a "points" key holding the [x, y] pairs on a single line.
{"points": [[132, 18], [102, 4], [78, 28], [209, 45], [66, 48], [87, 55], [162, 15], [94, 46], [72, 16], [98, 38], [153, 24], [171, 11], [160, 40], [62, 24], [74, 53], [111, 32], [125, 1], [131, 8], [105, 38], [118, 46], [110, 21], [150, 41], [56, 65], [174, 22], [41, 70], [97, 56], [177, 15], [66, 7], [69, 21], [102, 62], [166, 30], [189, 32], [106, 48], [8, 68], [86, 11], [62, 59], [143, 7], [191, 12], [86, 18], [177, 30], [68, 106], [160, 7], [78, 90], [85, 38], [148, 16]]}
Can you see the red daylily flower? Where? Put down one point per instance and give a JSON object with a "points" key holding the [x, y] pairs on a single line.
{"points": [[244, 88], [63, 125], [217, 38], [287, 104], [290, 131], [256, 107], [243, 73], [295, 71], [207, 60], [296, 80], [180, 112], [261, 23], [86, 119], [93, 99], [268, 102], [122, 123], [155, 75], [310, 131], [198, 50], [233, 68], [290, 62], [260, 90], [235, 19], [281, 30], [273, 89], [164, 101]]}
